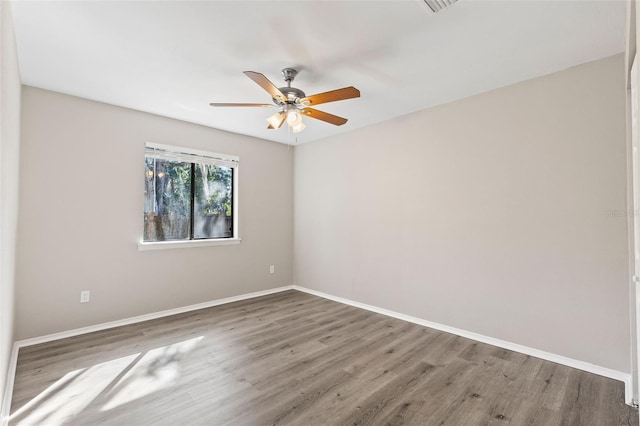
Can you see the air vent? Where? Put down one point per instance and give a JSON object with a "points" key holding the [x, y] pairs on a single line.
{"points": [[439, 5]]}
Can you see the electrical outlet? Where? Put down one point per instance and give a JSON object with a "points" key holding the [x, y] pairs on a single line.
{"points": [[272, 269], [85, 295]]}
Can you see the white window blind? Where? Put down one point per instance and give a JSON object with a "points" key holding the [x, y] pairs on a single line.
{"points": [[172, 153]]}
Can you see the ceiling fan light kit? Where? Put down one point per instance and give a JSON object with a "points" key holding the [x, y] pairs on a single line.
{"points": [[294, 103]]}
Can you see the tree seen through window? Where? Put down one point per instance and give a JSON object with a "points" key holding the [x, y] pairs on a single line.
{"points": [[187, 200]]}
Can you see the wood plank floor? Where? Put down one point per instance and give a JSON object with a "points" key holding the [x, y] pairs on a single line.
{"points": [[296, 359]]}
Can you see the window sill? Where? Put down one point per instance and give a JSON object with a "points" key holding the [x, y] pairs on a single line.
{"points": [[159, 245]]}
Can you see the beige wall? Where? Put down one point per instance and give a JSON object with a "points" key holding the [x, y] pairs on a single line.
{"points": [[502, 214], [81, 217], [9, 159]]}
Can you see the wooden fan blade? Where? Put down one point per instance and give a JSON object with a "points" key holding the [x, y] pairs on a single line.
{"points": [[324, 116], [223, 104], [267, 85], [332, 96], [276, 120]]}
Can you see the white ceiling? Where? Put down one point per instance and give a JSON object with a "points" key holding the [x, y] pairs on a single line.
{"points": [[174, 57]]}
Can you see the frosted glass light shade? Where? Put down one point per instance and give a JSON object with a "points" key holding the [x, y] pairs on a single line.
{"points": [[294, 118], [299, 127], [276, 119]]}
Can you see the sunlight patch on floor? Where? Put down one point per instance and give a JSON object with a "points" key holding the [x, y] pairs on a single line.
{"points": [[71, 394], [156, 370], [118, 382]]}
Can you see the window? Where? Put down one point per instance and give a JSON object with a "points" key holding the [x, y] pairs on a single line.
{"points": [[188, 195]]}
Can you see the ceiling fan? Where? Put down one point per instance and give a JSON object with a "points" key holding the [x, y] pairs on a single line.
{"points": [[294, 103]]}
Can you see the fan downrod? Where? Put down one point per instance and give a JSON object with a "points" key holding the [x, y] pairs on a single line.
{"points": [[291, 93], [289, 74]]}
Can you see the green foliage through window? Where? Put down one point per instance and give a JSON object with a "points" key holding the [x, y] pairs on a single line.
{"points": [[184, 200]]}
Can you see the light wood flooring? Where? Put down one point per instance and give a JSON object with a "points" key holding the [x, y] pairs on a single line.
{"points": [[296, 359]]}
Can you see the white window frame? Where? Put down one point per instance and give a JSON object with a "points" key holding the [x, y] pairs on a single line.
{"points": [[179, 153]]}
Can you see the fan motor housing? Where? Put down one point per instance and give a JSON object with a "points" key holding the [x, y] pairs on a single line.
{"points": [[292, 93]]}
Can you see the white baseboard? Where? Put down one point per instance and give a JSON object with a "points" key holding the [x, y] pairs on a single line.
{"points": [[559, 359], [147, 317], [6, 403]]}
